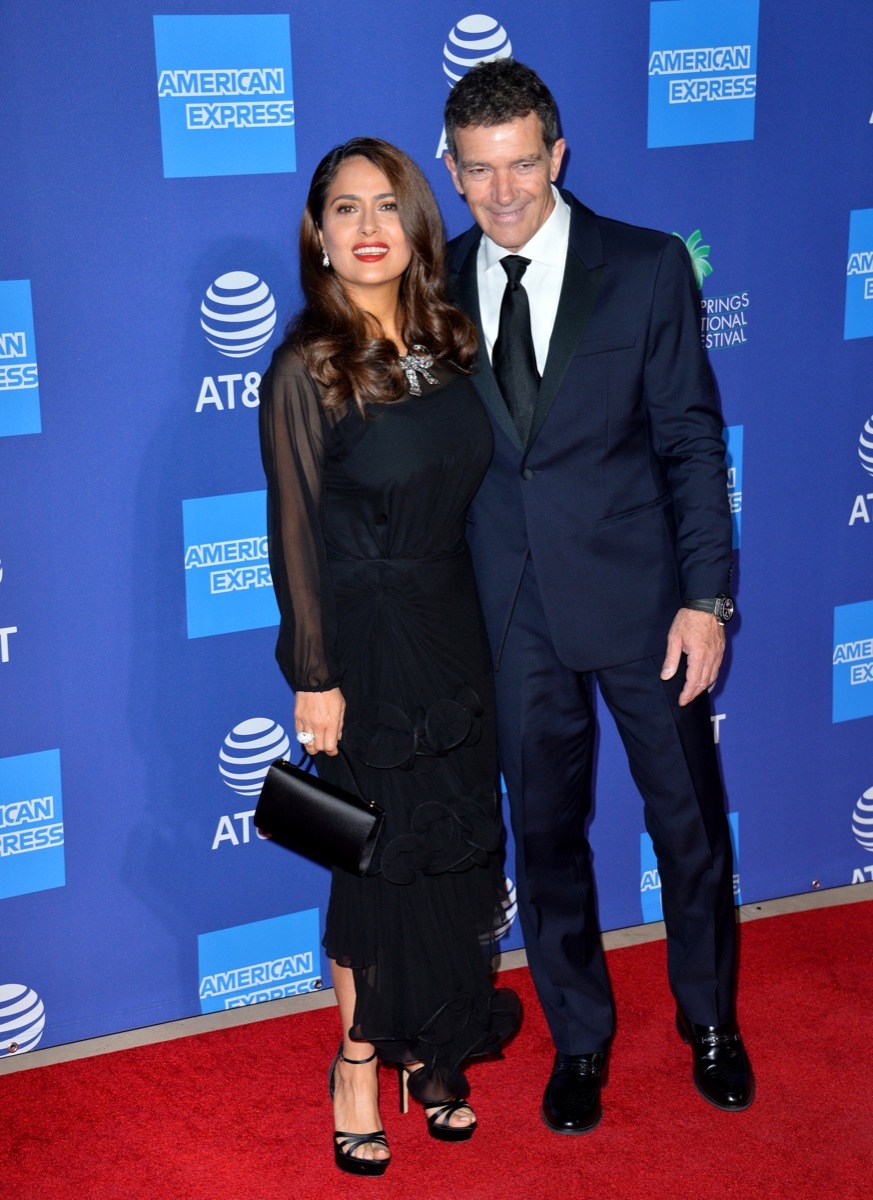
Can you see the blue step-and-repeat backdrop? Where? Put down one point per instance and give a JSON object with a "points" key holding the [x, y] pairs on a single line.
{"points": [[153, 169]]}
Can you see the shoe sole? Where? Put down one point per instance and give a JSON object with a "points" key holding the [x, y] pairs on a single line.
{"points": [[370, 1167], [572, 1132], [352, 1165], [724, 1107]]}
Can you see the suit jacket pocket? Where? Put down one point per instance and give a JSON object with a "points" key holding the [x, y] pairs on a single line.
{"points": [[601, 345], [630, 514]]}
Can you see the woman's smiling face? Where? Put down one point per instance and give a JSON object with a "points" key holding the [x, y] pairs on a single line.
{"points": [[361, 229]]}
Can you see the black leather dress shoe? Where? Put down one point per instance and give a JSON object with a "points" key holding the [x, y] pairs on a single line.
{"points": [[722, 1073], [571, 1103]]}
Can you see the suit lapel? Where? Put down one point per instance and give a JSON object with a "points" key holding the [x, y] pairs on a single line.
{"points": [[466, 295], [578, 294]]}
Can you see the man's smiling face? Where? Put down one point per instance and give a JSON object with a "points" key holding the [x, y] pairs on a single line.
{"points": [[505, 173]]}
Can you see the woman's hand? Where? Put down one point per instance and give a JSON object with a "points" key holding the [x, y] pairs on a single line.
{"points": [[320, 713]]}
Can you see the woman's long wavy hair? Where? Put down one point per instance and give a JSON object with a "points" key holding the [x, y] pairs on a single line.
{"points": [[333, 336]]}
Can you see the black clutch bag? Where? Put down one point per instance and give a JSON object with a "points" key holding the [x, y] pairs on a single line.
{"points": [[318, 819]]}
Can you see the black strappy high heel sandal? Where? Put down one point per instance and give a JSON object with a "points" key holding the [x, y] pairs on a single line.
{"points": [[345, 1144], [443, 1110]]}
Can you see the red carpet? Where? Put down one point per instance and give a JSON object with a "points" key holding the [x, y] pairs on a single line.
{"points": [[243, 1114]]}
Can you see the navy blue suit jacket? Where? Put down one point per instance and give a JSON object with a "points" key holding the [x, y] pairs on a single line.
{"points": [[620, 494]]}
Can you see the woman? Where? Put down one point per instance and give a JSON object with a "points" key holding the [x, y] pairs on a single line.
{"points": [[373, 447]]}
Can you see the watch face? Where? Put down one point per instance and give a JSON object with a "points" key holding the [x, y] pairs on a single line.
{"points": [[724, 608]]}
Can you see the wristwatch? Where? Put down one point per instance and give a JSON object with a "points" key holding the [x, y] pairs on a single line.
{"points": [[721, 607]]}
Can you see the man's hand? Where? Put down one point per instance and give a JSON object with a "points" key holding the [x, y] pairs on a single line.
{"points": [[699, 636], [320, 713]]}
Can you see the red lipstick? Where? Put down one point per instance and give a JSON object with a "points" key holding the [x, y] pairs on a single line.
{"points": [[370, 252]]}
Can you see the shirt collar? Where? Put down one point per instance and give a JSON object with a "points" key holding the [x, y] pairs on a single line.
{"points": [[547, 246]]}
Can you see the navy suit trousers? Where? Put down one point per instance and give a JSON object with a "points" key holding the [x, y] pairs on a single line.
{"points": [[547, 730]]}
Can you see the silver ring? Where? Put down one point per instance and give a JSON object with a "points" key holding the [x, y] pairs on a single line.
{"points": [[305, 738]]}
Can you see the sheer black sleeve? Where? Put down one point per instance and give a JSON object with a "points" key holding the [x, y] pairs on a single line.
{"points": [[294, 431]]}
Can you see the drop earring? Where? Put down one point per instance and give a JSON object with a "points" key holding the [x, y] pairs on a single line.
{"points": [[325, 261]]}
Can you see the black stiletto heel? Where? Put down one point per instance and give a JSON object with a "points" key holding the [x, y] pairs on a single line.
{"points": [[403, 1082], [345, 1144], [437, 1121]]}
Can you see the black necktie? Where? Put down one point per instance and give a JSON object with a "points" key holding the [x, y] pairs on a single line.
{"points": [[513, 357]]}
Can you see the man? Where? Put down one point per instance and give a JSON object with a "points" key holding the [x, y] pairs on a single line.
{"points": [[601, 536]]}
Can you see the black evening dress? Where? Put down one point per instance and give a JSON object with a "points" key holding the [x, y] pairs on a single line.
{"points": [[376, 594]]}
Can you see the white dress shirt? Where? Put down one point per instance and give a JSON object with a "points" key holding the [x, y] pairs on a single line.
{"points": [[547, 251]]}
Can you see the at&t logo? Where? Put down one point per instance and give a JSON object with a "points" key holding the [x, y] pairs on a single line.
{"points": [[862, 828], [862, 509], [477, 38], [509, 908], [505, 917], [243, 763], [22, 1019], [247, 752], [238, 316], [473, 40]]}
